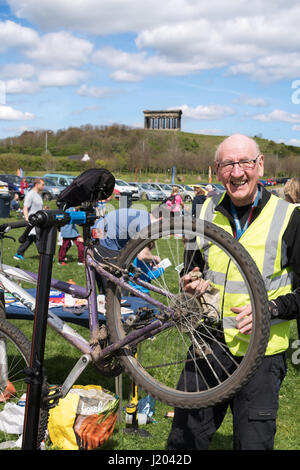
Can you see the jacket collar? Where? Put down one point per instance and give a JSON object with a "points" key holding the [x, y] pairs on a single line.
{"points": [[223, 205]]}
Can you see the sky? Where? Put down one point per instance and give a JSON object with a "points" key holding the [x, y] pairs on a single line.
{"points": [[230, 66]]}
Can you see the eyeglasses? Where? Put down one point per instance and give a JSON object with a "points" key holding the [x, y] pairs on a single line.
{"points": [[243, 164]]}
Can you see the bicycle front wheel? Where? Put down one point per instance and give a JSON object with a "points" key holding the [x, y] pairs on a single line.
{"points": [[15, 350], [14, 358], [188, 362]]}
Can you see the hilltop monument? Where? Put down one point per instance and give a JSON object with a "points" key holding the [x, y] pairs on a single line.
{"points": [[163, 120]]}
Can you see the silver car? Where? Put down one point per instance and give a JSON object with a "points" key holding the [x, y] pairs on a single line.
{"points": [[51, 189], [218, 188], [164, 187], [136, 185], [122, 187], [150, 192], [186, 192]]}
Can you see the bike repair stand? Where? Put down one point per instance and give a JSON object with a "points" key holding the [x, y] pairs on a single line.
{"points": [[35, 373]]}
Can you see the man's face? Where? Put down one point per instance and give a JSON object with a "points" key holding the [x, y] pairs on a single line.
{"points": [[40, 186], [240, 183]]}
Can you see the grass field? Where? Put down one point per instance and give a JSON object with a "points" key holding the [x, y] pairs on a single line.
{"points": [[60, 356]]}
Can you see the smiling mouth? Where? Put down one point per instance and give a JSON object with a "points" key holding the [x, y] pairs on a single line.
{"points": [[238, 184]]}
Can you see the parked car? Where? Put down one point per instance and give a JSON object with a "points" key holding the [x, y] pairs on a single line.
{"points": [[136, 185], [60, 179], [268, 182], [121, 187], [14, 184], [186, 192], [150, 192], [165, 188], [281, 180], [51, 189], [3, 187], [219, 188]]}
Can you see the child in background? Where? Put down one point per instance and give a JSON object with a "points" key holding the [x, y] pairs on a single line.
{"points": [[15, 205], [69, 234], [174, 202]]}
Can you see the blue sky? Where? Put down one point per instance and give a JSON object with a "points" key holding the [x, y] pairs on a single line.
{"points": [[230, 66]]}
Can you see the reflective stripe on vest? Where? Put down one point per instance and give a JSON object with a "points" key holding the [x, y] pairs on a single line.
{"points": [[262, 239]]}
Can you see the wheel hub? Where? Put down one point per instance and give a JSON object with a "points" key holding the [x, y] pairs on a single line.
{"points": [[188, 311]]}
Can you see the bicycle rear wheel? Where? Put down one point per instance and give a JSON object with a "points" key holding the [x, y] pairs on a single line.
{"points": [[188, 364]]}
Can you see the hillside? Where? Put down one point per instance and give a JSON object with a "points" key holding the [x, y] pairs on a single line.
{"points": [[123, 149]]}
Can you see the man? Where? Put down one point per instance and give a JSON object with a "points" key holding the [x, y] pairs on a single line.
{"points": [[115, 230], [265, 225], [33, 202]]}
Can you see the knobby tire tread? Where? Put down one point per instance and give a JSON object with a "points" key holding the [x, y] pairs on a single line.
{"points": [[230, 387]]}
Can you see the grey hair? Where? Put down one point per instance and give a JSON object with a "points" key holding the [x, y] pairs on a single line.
{"points": [[256, 146]]}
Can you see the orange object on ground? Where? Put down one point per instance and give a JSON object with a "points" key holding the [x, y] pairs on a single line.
{"points": [[9, 392]]}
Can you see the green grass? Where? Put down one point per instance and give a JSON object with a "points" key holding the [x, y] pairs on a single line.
{"points": [[60, 357]]}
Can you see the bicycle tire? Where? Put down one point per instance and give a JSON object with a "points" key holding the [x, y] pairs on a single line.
{"points": [[18, 348], [143, 373], [2, 305]]}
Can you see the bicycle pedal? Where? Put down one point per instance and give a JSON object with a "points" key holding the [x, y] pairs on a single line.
{"points": [[54, 394]]}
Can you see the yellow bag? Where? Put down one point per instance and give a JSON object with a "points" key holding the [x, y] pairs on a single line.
{"points": [[61, 421], [85, 418]]}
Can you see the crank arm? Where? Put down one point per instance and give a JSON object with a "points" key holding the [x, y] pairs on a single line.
{"points": [[77, 370]]}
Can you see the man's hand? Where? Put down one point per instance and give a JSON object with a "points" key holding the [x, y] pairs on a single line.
{"points": [[147, 256], [194, 286], [243, 319]]}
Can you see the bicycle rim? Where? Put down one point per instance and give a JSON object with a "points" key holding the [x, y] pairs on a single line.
{"points": [[14, 357], [189, 364], [15, 350]]}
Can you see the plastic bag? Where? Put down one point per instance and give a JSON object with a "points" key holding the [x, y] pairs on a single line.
{"points": [[146, 409], [84, 419], [12, 418]]}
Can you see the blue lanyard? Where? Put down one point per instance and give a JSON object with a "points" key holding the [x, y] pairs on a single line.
{"points": [[240, 230]]}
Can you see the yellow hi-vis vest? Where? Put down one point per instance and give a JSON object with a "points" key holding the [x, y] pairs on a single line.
{"points": [[263, 241]]}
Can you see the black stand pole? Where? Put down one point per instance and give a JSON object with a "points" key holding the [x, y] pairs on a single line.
{"points": [[35, 372]]}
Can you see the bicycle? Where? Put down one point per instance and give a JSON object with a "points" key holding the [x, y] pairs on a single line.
{"points": [[180, 327]]}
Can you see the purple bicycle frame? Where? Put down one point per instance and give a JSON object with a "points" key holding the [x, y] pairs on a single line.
{"points": [[90, 294]]}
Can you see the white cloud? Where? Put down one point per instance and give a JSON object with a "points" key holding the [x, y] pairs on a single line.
{"points": [[125, 76], [108, 16], [135, 66], [278, 115], [115, 16], [174, 37], [19, 85], [7, 113], [93, 92], [14, 35], [59, 78], [208, 112], [17, 71], [295, 142], [272, 67], [60, 50]]}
